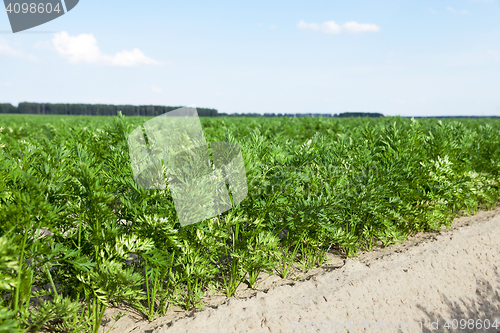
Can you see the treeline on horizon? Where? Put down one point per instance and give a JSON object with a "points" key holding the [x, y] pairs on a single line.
{"points": [[156, 110], [146, 110], [96, 109], [324, 115]]}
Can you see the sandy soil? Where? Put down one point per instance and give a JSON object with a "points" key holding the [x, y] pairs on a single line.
{"points": [[418, 286]]}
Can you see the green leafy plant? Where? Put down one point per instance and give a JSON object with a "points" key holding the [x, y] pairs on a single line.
{"points": [[77, 235]]}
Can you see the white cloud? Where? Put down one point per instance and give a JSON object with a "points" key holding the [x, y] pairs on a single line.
{"points": [[77, 48], [304, 26], [273, 27], [156, 89], [83, 48], [330, 27], [463, 11], [7, 50], [360, 27], [130, 58]]}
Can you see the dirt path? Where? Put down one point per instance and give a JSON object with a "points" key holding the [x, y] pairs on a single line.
{"points": [[414, 287]]}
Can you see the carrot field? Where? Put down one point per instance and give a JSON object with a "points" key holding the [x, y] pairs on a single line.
{"points": [[77, 235]]}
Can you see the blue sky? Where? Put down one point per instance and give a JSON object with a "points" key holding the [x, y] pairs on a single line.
{"points": [[409, 58]]}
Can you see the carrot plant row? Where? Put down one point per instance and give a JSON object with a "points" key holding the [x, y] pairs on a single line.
{"points": [[77, 235]]}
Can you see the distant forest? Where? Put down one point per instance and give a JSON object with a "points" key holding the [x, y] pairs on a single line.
{"points": [[96, 109], [156, 110], [148, 110]]}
